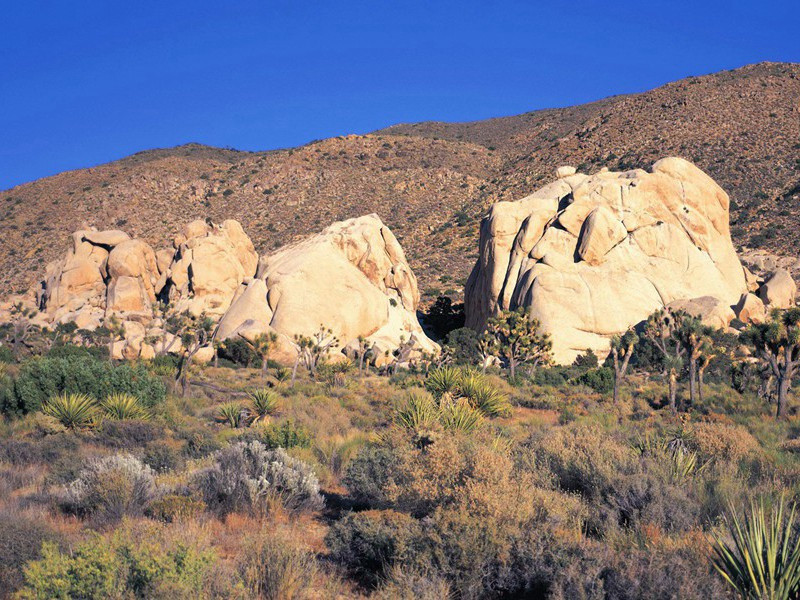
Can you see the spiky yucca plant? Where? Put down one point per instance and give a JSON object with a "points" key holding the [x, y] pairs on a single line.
{"points": [[444, 381], [263, 404], [418, 412], [459, 415], [123, 407], [230, 413], [483, 396], [283, 374], [762, 560], [72, 410]]}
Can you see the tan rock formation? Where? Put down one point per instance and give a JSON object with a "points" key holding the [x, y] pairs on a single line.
{"points": [[711, 310], [352, 278], [750, 309], [209, 265], [779, 290], [591, 256]]}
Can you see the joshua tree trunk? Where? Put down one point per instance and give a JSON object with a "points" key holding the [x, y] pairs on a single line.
{"points": [[512, 367], [264, 366], [784, 381], [294, 369], [692, 380], [183, 374], [700, 384], [673, 389]]}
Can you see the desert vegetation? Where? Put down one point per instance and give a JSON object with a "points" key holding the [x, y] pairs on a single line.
{"points": [[667, 470]]}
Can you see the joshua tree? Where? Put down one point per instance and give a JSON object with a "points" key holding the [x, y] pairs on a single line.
{"points": [[20, 327], [707, 354], [621, 351], [777, 345], [112, 330], [261, 346], [311, 348], [363, 351], [692, 335], [195, 333], [518, 340], [661, 329]]}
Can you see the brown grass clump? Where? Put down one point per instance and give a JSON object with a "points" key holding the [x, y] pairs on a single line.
{"points": [[722, 442]]}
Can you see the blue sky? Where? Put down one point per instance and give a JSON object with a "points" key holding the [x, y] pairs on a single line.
{"points": [[85, 82]]}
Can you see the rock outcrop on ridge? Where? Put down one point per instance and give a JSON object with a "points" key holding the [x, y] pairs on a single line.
{"points": [[590, 256], [352, 278]]}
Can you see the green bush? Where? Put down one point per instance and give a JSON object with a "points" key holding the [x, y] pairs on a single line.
{"points": [[286, 435], [145, 563], [601, 380], [21, 539], [370, 543], [43, 378]]}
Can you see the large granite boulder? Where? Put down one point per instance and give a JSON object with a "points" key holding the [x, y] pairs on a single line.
{"points": [[208, 266], [352, 278], [591, 256]]}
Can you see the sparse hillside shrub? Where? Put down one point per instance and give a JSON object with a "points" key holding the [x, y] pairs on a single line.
{"points": [[21, 539], [110, 488], [43, 378], [275, 567], [128, 435], [582, 459], [287, 434], [718, 441], [248, 477], [369, 544], [134, 562]]}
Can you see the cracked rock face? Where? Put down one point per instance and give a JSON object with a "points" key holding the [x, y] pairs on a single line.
{"points": [[352, 278], [590, 256]]}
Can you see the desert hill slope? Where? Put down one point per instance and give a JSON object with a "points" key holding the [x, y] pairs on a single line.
{"points": [[431, 182]]}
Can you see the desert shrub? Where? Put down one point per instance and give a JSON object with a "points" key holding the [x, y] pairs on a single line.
{"points": [[583, 459], [474, 472], [43, 378], [148, 562], [722, 442], [370, 543], [128, 435], [601, 379], [408, 584], [199, 441], [73, 351], [21, 539], [73, 411], [164, 365], [6, 354], [287, 434], [163, 456], [275, 567], [239, 352], [462, 344], [248, 476], [175, 507], [46, 450], [111, 487]]}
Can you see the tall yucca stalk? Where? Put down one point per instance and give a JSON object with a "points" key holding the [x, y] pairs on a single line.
{"points": [[763, 560], [123, 406], [263, 403], [71, 410]]}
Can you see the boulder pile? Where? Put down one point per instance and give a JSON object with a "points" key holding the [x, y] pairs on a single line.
{"points": [[352, 278], [591, 255]]}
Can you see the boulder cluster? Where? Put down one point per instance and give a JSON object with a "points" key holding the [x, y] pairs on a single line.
{"points": [[590, 256], [352, 278]]}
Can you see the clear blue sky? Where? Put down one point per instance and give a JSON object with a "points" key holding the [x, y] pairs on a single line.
{"points": [[85, 82]]}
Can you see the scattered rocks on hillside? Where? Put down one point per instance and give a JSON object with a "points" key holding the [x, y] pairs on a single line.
{"points": [[591, 256]]}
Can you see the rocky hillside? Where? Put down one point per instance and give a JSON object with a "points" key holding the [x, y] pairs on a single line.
{"points": [[431, 182]]}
